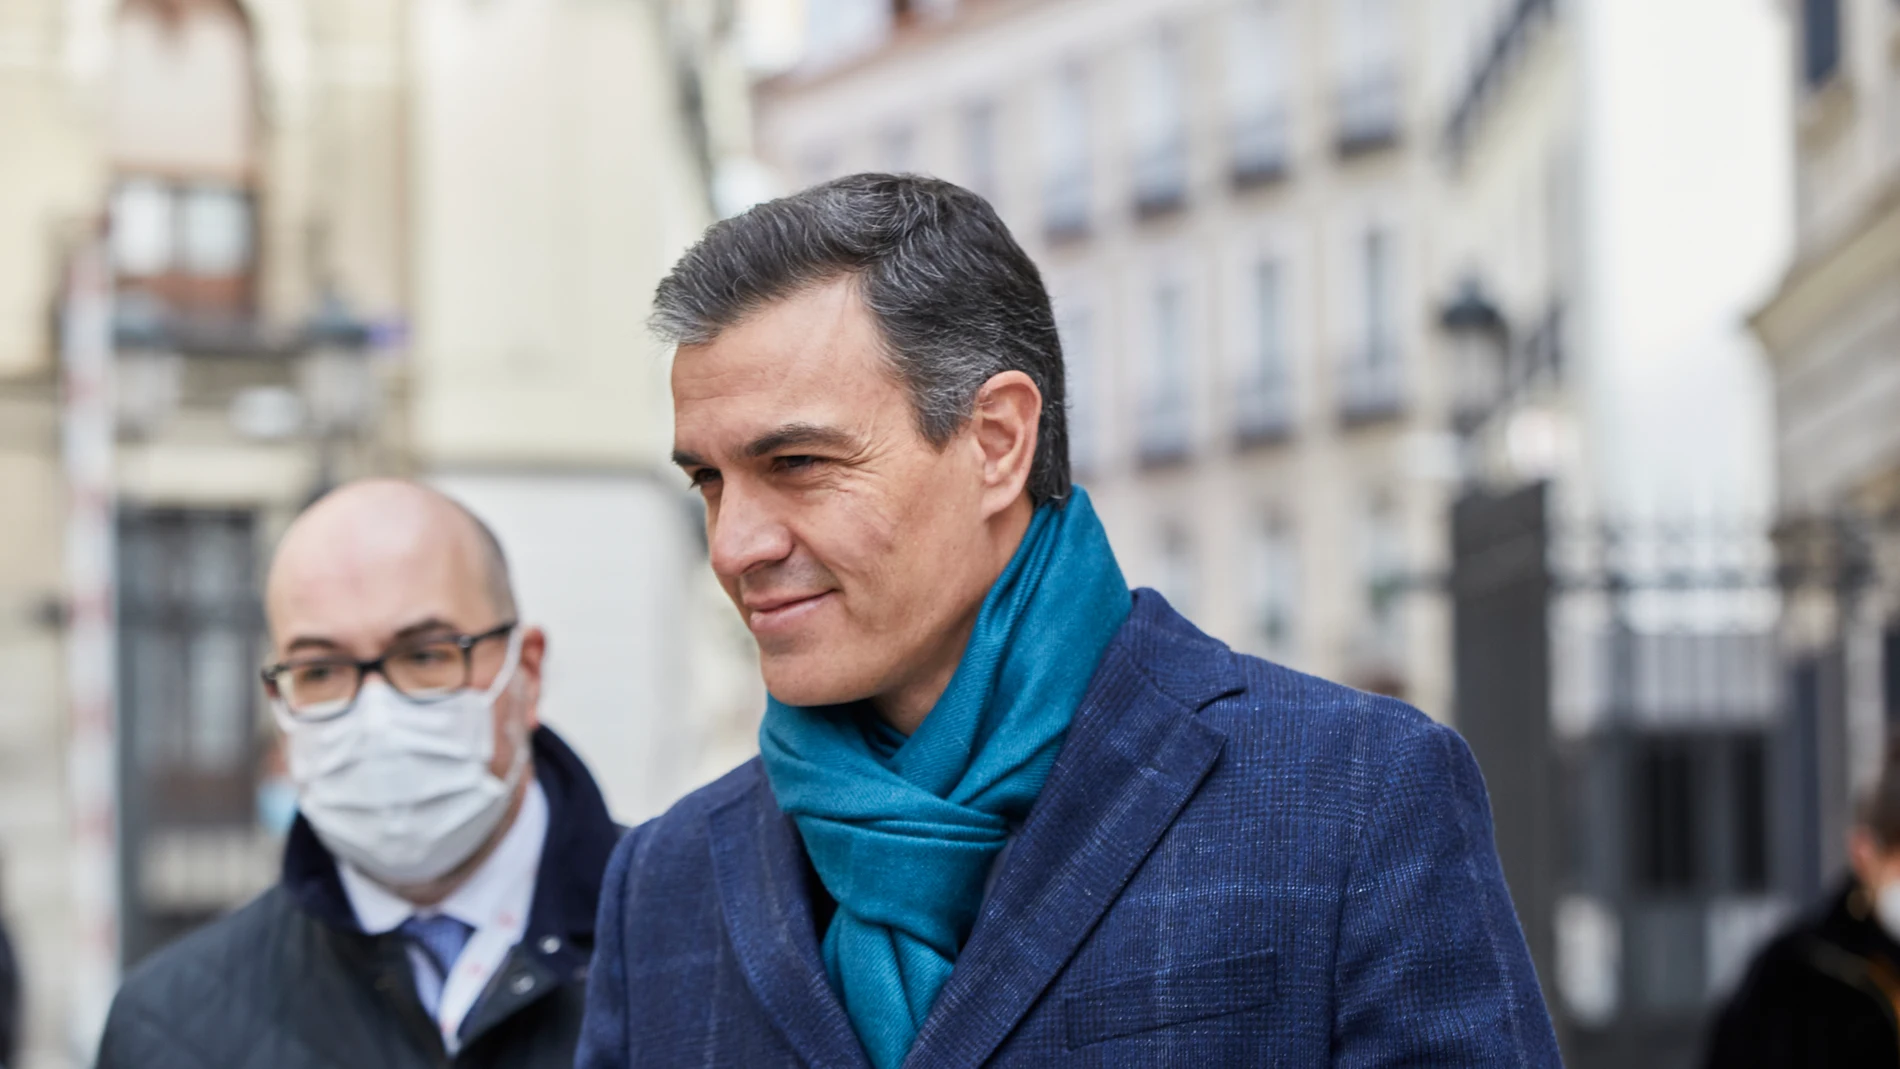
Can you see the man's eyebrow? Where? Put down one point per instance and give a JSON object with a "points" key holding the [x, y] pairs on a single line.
{"points": [[431, 625], [799, 434], [688, 460], [424, 627]]}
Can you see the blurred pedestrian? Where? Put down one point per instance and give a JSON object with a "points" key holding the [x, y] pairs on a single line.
{"points": [[1826, 992], [436, 906], [1008, 812], [11, 1023]]}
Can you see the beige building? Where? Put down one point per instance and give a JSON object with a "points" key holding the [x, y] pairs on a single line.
{"points": [[1231, 203], [345, 237]]}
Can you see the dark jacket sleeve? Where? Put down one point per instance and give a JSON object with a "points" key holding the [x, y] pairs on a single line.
{"points": [[137, 1037], [9, 1003], [1789, 1013], [604, 1030], [1432, 967]]}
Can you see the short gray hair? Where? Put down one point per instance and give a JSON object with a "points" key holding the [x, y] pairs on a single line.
{"points": [[955, 298]]}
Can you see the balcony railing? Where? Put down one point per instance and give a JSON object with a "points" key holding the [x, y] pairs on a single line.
{"points": [[1165, 435], [1161, 176], [1263, 409], [1262, 148], [1371, 385], [1065, 203], [1542, 359], [1368, 112], [1494, 64]]}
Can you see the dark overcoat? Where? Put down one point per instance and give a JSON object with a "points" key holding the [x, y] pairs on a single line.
{"points": [[1820, 995], [291, 981]]}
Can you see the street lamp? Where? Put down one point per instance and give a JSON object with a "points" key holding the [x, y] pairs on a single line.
{"points": [[1480, 351], [335, 380]]}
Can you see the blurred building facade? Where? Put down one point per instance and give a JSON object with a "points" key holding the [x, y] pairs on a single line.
{"points": [[1833, 332], [343, 238], [1231, 204], [1618, 204]]}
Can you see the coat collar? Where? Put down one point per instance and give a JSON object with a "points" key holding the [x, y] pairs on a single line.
{"points": [[581, 836], [1134, 755], [759, 864]]}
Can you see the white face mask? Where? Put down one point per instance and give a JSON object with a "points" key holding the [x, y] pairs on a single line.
{"points": [[402, 790], [1887, 909]]}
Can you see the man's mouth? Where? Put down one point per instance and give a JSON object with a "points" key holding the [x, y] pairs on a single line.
{"points": [[775, 613]]}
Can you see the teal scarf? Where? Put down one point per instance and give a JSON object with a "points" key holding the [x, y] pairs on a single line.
{"points": [[903, 831]]}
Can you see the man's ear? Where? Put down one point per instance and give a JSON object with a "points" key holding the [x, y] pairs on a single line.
{"points": [[1007, 419], [534, 650]]}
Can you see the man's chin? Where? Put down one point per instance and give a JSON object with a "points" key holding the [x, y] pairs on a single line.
{"points": [[803, 681]]}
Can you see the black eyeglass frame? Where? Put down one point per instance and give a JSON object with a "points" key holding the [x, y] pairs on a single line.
{"points": [[465, 643]]}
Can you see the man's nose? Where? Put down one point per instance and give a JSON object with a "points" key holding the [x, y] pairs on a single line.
{"points": [[745, 532]]}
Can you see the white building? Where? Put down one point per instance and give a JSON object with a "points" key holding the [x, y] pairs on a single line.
{"points": [[1231, 203]]}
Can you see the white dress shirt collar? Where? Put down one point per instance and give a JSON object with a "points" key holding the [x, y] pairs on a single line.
{"points": [[495, 901]]}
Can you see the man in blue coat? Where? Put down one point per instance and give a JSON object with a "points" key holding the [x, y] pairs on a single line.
{"points": [[1007, 812]]}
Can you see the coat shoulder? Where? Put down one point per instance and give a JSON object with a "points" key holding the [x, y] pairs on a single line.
{"points": [[202, 996], [1253, 699], [222, 955], [1276, 698], [675, 846]]}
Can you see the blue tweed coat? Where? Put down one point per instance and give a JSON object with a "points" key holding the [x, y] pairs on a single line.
{"points": [[1232, 864]]}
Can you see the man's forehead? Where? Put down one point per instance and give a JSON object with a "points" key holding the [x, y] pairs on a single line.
{"points": [[813, 360], [357, 573]]}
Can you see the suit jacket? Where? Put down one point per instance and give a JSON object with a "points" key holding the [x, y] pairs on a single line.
{"points": [[1230, 864]]}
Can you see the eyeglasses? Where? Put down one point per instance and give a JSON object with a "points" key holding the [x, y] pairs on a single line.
{"points": [[427, 669]]}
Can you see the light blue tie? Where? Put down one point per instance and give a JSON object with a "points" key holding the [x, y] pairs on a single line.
{"points": [[441, 937]]}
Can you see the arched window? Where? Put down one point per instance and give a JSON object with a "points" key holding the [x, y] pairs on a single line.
{"points": [[183, 142]]}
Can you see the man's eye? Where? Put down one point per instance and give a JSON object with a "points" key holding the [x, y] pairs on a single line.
{"points": [[703, 477], [798, 463]]}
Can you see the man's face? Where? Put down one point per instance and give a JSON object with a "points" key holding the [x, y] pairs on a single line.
{"points": [[855, 550], [380, 570]]}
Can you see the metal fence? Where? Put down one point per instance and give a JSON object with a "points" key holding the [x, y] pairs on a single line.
{"points": [[1657, 764]]}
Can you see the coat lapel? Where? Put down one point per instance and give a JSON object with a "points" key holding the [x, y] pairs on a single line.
{"points": [[1135, 754], [760, 870]]}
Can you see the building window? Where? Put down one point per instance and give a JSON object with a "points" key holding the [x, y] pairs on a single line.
{"points": [[1075, 323], [1065, 189], [189, 630], [1161, 130], [1371, 385], [837, 30], [1820, 40], [1367, 101], [979, 149], [1665, 837], [1165, 397], [1748, 782], [1179, 581], [1383, 574], [1260, 135], [1263, 397], [1275, 582], [183, 144], [897, 149]]}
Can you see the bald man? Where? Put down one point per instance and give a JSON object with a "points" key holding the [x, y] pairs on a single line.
{"points": [[437, 901]]}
